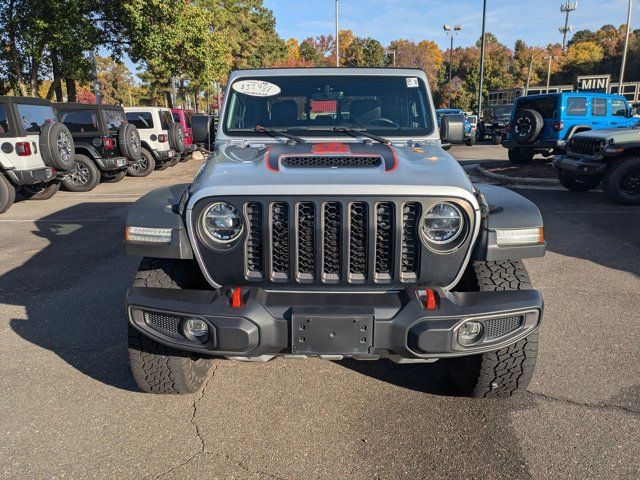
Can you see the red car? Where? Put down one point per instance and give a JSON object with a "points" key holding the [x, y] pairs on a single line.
{"points": [[183, 117]]}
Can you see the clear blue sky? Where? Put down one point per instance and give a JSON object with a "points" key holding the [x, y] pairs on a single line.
{"points": [[534, 21]]}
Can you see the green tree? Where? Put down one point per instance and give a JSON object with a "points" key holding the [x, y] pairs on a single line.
{"points": [[364, 52]]}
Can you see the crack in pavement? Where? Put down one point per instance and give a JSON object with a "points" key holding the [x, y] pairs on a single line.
{"points": [[192, 420], [247, 469], [602, 406]]}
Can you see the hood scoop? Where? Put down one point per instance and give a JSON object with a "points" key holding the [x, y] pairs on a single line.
{"points": [[313, 161], [330, 155]]}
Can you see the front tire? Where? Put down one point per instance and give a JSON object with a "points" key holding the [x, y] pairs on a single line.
{"points": [[508, 371], [40, 191], [496, 139], [7, 194], [84, 178], [144, 166], [157, 368], [621, 183], [577, 184]]}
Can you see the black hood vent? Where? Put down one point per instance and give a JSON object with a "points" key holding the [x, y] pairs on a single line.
{"points": [[331, 162]]}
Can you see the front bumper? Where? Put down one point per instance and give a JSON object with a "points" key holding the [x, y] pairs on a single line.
{"points": [[29, 177], [115, 163], [579, 166], [362, 325]]}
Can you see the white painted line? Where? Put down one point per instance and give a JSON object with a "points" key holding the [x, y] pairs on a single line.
{"points": [[63, 220]]}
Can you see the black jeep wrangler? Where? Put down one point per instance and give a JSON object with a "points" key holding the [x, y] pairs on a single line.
{"points": [[105, 144], [493, 124]]}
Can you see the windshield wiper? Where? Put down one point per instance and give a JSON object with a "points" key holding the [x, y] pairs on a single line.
{"points": [[274, 132], [361, 131]]}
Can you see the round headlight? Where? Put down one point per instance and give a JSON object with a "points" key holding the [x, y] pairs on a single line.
{"points": [[222, 222], [442, 224]]}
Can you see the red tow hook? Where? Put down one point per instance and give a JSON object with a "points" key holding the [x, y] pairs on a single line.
{"points": [[236, 298], [431, 302]]}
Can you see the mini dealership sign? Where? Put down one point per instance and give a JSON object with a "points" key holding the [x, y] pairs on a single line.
{"points": [[594, 83]]}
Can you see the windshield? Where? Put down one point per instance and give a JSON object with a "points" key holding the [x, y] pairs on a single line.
{"points": [[314, 105], [504, 110]]}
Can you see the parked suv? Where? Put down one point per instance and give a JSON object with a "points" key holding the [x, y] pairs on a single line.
{"points": [[347, 234], [35, 150], [184, 117], [609, 156], [162, 139], [545, 123], [105, 144], [493, 124]]}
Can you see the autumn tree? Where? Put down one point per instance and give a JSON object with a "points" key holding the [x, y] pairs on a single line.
{"points": [[364, 52], [425, 55]]}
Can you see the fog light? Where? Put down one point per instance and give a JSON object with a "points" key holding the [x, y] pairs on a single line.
{"points": [[196, 327], [470, 332]]}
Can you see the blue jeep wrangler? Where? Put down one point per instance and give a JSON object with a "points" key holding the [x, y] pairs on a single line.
{"points": [[545, 123]]}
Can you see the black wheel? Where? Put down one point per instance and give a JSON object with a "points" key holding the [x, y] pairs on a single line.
{"points": [[174, 161], [185, 158], [470, 141], [113, 176], [56, 146], [176, 137], [156, 367], [7, 194], [39, 191], [577, 183], [142, 167], [526, 126], [621, 183], [129, 141], [507, 371], [496, 139], [84, 177], [520, 155]]}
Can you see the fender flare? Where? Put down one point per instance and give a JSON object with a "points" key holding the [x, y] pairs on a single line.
{"points": [[505, 209], [160, 208], [87, 149], [573, 130]]}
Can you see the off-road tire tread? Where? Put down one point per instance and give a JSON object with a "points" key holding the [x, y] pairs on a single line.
{"points": [[611, 179], [156, 367], [7, 194], [576, 185], [505, 372]]}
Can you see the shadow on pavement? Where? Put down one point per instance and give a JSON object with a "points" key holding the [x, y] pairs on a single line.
{"points": [[73, 290]]}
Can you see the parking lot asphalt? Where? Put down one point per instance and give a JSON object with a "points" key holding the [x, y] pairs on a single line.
{"points": [[70, 409]]}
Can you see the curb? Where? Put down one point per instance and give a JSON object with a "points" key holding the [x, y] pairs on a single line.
{"points": [[547, 182]]}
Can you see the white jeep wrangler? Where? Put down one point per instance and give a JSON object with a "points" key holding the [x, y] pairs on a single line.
{"points": [[35, 150], [161, 138]]}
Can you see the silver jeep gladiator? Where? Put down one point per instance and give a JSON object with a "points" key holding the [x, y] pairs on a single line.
{"points": [[328, 221]]}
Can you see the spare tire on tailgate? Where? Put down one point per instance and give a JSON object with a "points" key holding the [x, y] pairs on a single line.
{"points": [[527, 125], [129, 141], [56, 146], [176, 137], [203, 130]]}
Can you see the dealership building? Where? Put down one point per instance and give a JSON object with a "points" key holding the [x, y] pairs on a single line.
{"points": [[587, 83]]}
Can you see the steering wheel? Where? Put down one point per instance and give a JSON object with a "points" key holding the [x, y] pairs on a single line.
{"points": [[383, 120]]}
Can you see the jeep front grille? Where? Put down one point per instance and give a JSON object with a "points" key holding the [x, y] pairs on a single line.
{"points": [[585, 146], [341, 233]]}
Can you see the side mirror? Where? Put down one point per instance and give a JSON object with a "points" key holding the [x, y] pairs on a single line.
{"points": [[452, 129], [203, 130]]}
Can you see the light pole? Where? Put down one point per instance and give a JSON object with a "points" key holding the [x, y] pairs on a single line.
{"points": [[526, 87], [451, 32], [484, 22], [567, 8], [549, 71], [624, 52], [337, 36]]}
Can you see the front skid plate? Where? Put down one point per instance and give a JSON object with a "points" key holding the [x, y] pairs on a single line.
{"points": [[331, 334]]}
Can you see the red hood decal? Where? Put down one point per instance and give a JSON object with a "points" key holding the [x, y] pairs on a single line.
{"points": [[330, 148]]}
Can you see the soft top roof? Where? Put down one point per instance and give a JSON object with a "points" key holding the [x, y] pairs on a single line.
{"points": [[29, 100], [85, 106]]}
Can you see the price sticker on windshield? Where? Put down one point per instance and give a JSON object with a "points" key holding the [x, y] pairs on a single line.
{"points": [[256, 88], [412, 82]]}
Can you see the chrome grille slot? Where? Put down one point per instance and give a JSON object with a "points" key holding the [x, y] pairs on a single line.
{"points": [[410, 251], [332, 238], [280, 241], [384, 240], [306, 215], [589, 147]]}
